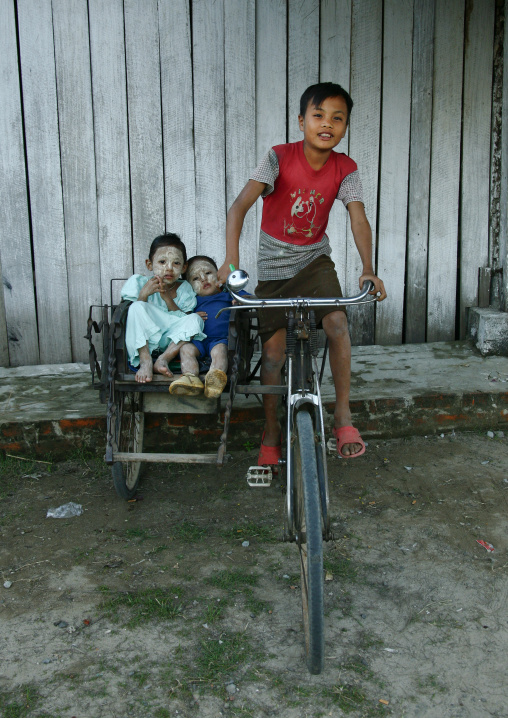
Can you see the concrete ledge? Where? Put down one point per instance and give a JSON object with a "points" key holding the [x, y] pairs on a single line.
{"points": [[488, 329], [396, 391]]}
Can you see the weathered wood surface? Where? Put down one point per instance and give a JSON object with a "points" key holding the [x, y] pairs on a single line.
{"points": [[145, 126], [445, 170], [303, 57], [177, 120], [394, 160], [366, 58], [75, 119], [419, 172], [22, 346], [123, 119], [44, 177], [476, 137], [209, 126], [240, 68], [111, 142], [334, 66], [4, 349], [271, 84], [504, 175]]}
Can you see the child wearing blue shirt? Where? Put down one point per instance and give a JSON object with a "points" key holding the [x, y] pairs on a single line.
{"points": [[202, 276]]}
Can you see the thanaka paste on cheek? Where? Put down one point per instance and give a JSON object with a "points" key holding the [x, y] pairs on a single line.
{"points": [[200, 276], [171, 255]]}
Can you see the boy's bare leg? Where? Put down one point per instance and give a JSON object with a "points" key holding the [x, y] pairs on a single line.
{"points": [[189, 358], [219, 356], [161, 364], [335, 326], [272, 362], [145, 371]]}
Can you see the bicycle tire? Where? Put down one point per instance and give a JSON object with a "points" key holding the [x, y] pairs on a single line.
{"points": [[129, 434], [309, 540]]}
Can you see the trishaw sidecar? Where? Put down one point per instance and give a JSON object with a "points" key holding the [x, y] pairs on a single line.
{"points": [[128, 400]]}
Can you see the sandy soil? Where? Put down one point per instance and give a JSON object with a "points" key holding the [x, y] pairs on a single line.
{"points": [[156, 608]]}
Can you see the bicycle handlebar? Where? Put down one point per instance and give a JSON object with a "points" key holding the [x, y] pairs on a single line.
{"points": [[238, 279]]}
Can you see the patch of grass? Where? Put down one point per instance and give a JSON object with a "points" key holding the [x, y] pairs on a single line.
{"points": [[157, 549], [145, 605], [431, 681], [162, 713], [250, 530], [357, 665], [233, 580], [214, 611], [218, 658], [342, 569], [141, 677], [349, 698], [188, 532], [19, 703], [141, 534], [253, 604]]}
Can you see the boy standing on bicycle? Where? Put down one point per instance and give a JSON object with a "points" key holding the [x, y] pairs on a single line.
{"points": [[299, 182]]}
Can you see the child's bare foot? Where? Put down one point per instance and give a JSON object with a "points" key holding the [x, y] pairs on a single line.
{"points": [[145, 371], [161, 366]]}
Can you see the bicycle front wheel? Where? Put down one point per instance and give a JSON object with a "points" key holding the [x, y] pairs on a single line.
{"points": [[309, 539]]}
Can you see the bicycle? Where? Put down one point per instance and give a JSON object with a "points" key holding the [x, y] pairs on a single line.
{"points": [[307, 517], [306, 511]]}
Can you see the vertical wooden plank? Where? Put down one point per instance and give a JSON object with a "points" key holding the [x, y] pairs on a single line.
{"points": [[209, 125], [44, 176], [476, 134], [271, 84], [334, 66], [503, 229], [419, 171], [145, 125], [445, 169], [366, 55], [303, 57], [111, 141], [75, 118], [15, 251], [240, 117], [4, 349], [178, 120], [394, 161]]}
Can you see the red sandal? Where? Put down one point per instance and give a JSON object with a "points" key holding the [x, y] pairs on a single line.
{"points": [[348, 435], [269, 455]]}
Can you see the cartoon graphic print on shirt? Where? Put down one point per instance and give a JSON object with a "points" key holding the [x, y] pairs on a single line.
{"points": [[303, 213]]}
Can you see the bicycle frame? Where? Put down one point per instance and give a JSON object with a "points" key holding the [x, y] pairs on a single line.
{"points": [[300, 395]]}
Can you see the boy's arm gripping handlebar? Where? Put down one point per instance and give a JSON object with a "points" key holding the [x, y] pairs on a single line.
{"points": [[238, 279]]}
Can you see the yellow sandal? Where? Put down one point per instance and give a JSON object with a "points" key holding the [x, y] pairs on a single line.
{"points": [[187, 385], [215, 381]]}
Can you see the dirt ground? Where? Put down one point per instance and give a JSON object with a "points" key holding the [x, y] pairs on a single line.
{"points": [[159, 608]]}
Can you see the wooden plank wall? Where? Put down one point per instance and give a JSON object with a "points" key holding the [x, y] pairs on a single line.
{"points": [[123, 119]]}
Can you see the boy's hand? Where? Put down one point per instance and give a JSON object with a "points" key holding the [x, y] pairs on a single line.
{"points": [[223, 273], [379, 287], [203, 315]]}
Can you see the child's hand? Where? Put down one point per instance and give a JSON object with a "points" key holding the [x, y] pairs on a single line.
{"points": [[154, 285], [203, 315]]}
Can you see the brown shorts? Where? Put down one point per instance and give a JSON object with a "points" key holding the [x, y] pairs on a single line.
{"points": [[319, 279]]}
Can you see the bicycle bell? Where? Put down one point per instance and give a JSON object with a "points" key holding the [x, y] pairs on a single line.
{"points": [[237, 280]]}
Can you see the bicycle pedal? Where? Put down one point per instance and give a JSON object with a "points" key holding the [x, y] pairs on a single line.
{"points": [[259, 476], [331, 446]]}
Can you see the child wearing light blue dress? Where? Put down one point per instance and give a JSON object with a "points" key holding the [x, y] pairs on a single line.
{"points": [[160, 316]]}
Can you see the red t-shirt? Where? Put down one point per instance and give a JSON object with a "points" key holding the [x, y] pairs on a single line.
{"points": [[298, 208]]}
